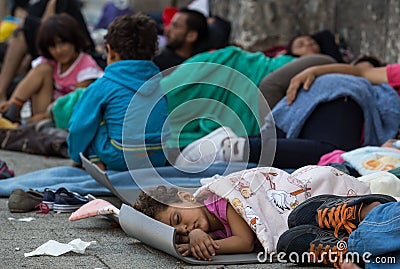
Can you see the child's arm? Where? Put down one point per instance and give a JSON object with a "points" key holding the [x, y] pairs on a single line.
{"points": [[85, 83], [306, 78], [242, 239], [203, 246]]}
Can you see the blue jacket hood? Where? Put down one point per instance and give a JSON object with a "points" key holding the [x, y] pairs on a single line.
{"points": [[125, 73]]}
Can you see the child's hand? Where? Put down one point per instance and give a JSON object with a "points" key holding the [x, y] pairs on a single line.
{"points": [[183, 249], [101, 165], [392, 143], [201, 245]]}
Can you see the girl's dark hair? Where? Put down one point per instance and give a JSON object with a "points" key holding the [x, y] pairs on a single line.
{"points": [[133, 37], [64, 27], [156, 200]]}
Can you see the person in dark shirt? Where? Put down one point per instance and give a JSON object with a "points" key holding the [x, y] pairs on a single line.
{"points": [[186, 36]]}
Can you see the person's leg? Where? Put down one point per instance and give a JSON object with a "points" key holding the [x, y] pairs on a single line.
{"points": [[43, 78], [334, 125], [379, 232], [15, 52], [372, 221], [38, 85], [338, 123], [273, 87]]}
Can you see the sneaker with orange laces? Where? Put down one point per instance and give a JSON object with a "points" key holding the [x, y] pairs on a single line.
{"points": [[310, 245], [338, 213]]}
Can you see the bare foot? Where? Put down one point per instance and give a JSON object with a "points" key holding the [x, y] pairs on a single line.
{"points": [[349, 265], [368, 208]]}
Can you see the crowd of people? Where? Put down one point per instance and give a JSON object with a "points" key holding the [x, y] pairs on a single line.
{"points": [[197, 102]]}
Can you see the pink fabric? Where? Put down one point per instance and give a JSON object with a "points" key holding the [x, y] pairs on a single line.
{"points": [[332, 157], [393, 74], [90, 209], [218, 206], [84, 68]]}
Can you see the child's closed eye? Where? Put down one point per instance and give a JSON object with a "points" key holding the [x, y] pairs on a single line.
{"points": [[177, 219]]}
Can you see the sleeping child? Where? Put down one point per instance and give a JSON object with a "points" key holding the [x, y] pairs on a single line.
{"points": [[233, 213]]}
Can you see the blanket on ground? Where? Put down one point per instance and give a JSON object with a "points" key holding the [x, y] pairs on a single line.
{"points": [[380, 104], [77, 180], [265, 196]]}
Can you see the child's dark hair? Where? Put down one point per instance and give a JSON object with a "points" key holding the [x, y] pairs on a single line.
{"points": [[156, 200], [133, 37], [373, 60], [64, 27]]}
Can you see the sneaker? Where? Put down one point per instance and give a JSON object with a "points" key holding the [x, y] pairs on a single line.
{"points": [[334, 212], [48, 197], [66, 201], [21, 201], [308, 244], [205, 150]]}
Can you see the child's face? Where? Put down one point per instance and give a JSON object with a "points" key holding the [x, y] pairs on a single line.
{"points": [[63, 52], [185, 217]]}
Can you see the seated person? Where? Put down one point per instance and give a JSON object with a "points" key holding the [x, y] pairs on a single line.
{"points": [[63, 68], [186, 36], [98, 119], [23, 42]]}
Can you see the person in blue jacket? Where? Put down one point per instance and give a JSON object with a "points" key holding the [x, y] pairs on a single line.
{"points": [[129, 87]]}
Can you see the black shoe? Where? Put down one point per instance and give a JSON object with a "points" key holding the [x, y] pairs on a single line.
{"points": [[48, 198], [308, 244], [334, 212], [66, 201]]}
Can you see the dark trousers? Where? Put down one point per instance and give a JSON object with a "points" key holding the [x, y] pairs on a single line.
{"points": [[333, 125]]}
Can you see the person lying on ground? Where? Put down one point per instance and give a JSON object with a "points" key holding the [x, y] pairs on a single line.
{"points": [[220, 218], [332, 229], [377, 75]]}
